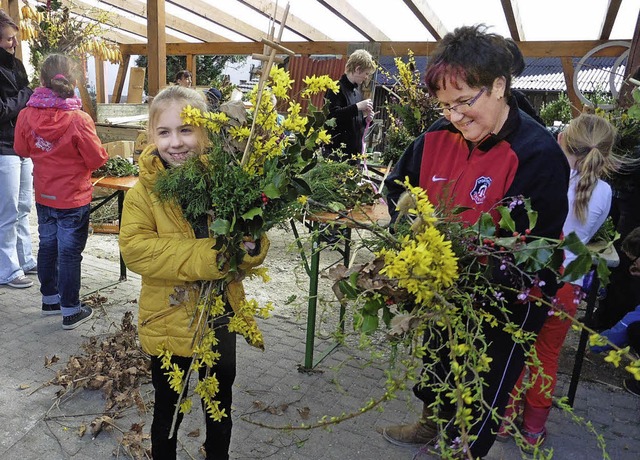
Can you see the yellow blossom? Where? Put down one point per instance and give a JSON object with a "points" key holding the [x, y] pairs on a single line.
{"points": [[323, 137], [614, 357], [319, 84]]}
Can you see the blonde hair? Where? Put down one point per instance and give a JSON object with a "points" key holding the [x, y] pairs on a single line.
{"points": [[360, 58], [184, 96], [590, 139]]}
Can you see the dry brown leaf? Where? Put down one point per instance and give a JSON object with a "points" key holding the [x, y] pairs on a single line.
{"points": [[82, 429], [49, 361], [261, 405], [194, 434], [101, 423], [304, 412], [24, 386]]}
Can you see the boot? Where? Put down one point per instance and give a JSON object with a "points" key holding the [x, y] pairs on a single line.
{"points": [[512, 416], [533, 430], [423, 432]]}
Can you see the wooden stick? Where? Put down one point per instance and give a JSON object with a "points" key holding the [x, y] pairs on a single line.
{"points": [[263, 79], [262, 57], [276, 45]]}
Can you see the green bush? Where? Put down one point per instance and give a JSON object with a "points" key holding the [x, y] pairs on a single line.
{"points": [[556, 110]]}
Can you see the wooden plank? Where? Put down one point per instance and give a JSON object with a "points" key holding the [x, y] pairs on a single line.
{"points": [[294, 23], [574, 48], [139, 8], [219, 16], [355, 19], [108, 133], [136, 85], [609, 19], [512, 16], [428, 18]]}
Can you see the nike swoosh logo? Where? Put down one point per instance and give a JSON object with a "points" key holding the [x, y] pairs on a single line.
{"points": [[437, 179]]}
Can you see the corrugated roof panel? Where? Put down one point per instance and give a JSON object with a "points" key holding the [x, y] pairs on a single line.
{"points": [[540, 74]]}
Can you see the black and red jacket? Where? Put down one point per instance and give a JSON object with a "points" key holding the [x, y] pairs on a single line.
{"points": [[523, 159]]}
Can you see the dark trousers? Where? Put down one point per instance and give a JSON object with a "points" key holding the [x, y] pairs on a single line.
{"points": [[63, 236], [508, 362], [218, 435], [633, 332]]}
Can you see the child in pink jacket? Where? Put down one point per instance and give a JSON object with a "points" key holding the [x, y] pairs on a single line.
{"points": [[62, 141]]}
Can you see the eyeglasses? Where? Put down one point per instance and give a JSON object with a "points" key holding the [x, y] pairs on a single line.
{"points": [[463, 107]]}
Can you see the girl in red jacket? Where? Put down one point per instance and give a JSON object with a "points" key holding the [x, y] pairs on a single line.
{"points": [[62, 141]]}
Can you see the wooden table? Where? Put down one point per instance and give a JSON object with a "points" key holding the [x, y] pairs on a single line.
{"points": [[120, 185], [366, 215]]}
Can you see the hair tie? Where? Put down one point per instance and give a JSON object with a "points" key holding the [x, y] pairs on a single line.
{"points": [[59, 76]]}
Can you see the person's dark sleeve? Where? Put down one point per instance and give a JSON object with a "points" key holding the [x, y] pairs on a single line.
{"points": [[338, 107], [408, 166], [10, 107]]}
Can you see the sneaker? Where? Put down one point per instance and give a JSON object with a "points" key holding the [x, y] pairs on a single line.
{"points": [[51, 309], [73, 321], [32, 271], [632, 386], [20, 282]]}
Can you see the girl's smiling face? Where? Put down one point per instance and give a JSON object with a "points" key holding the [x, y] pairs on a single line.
{"points": [[176, 141]]}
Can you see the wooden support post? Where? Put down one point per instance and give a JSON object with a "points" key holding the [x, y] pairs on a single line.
{"points": [[120, 77], [567, 68], [191, 67], [157, 55], [101, 87]]}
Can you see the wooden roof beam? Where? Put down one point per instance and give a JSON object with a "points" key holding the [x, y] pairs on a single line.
{"points": [[294, 23], [609, 19], [576, 48], [428, 18], [88, 11], [355, 19], [139, 8], [222, 18], [512, 15]]}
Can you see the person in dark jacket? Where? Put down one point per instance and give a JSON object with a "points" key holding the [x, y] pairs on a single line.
{"points": [[349, 109], [517, 68], [482, 151], [16, 181], [626, 332]]}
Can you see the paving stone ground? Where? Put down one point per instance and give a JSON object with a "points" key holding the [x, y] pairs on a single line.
{"points": [[34, 425]]}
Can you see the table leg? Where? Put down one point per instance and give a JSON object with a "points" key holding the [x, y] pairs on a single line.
{"points": [[313, 298], [123, 267]]}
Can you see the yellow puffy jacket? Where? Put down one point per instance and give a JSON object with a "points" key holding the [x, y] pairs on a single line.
{"points": [[158, 243]]}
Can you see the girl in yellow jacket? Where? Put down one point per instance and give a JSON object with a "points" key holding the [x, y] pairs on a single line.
{"points": [[161, 245]]}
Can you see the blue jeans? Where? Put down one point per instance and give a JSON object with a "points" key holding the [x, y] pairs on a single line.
{"points": [[63, 236], [16, 199]]}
